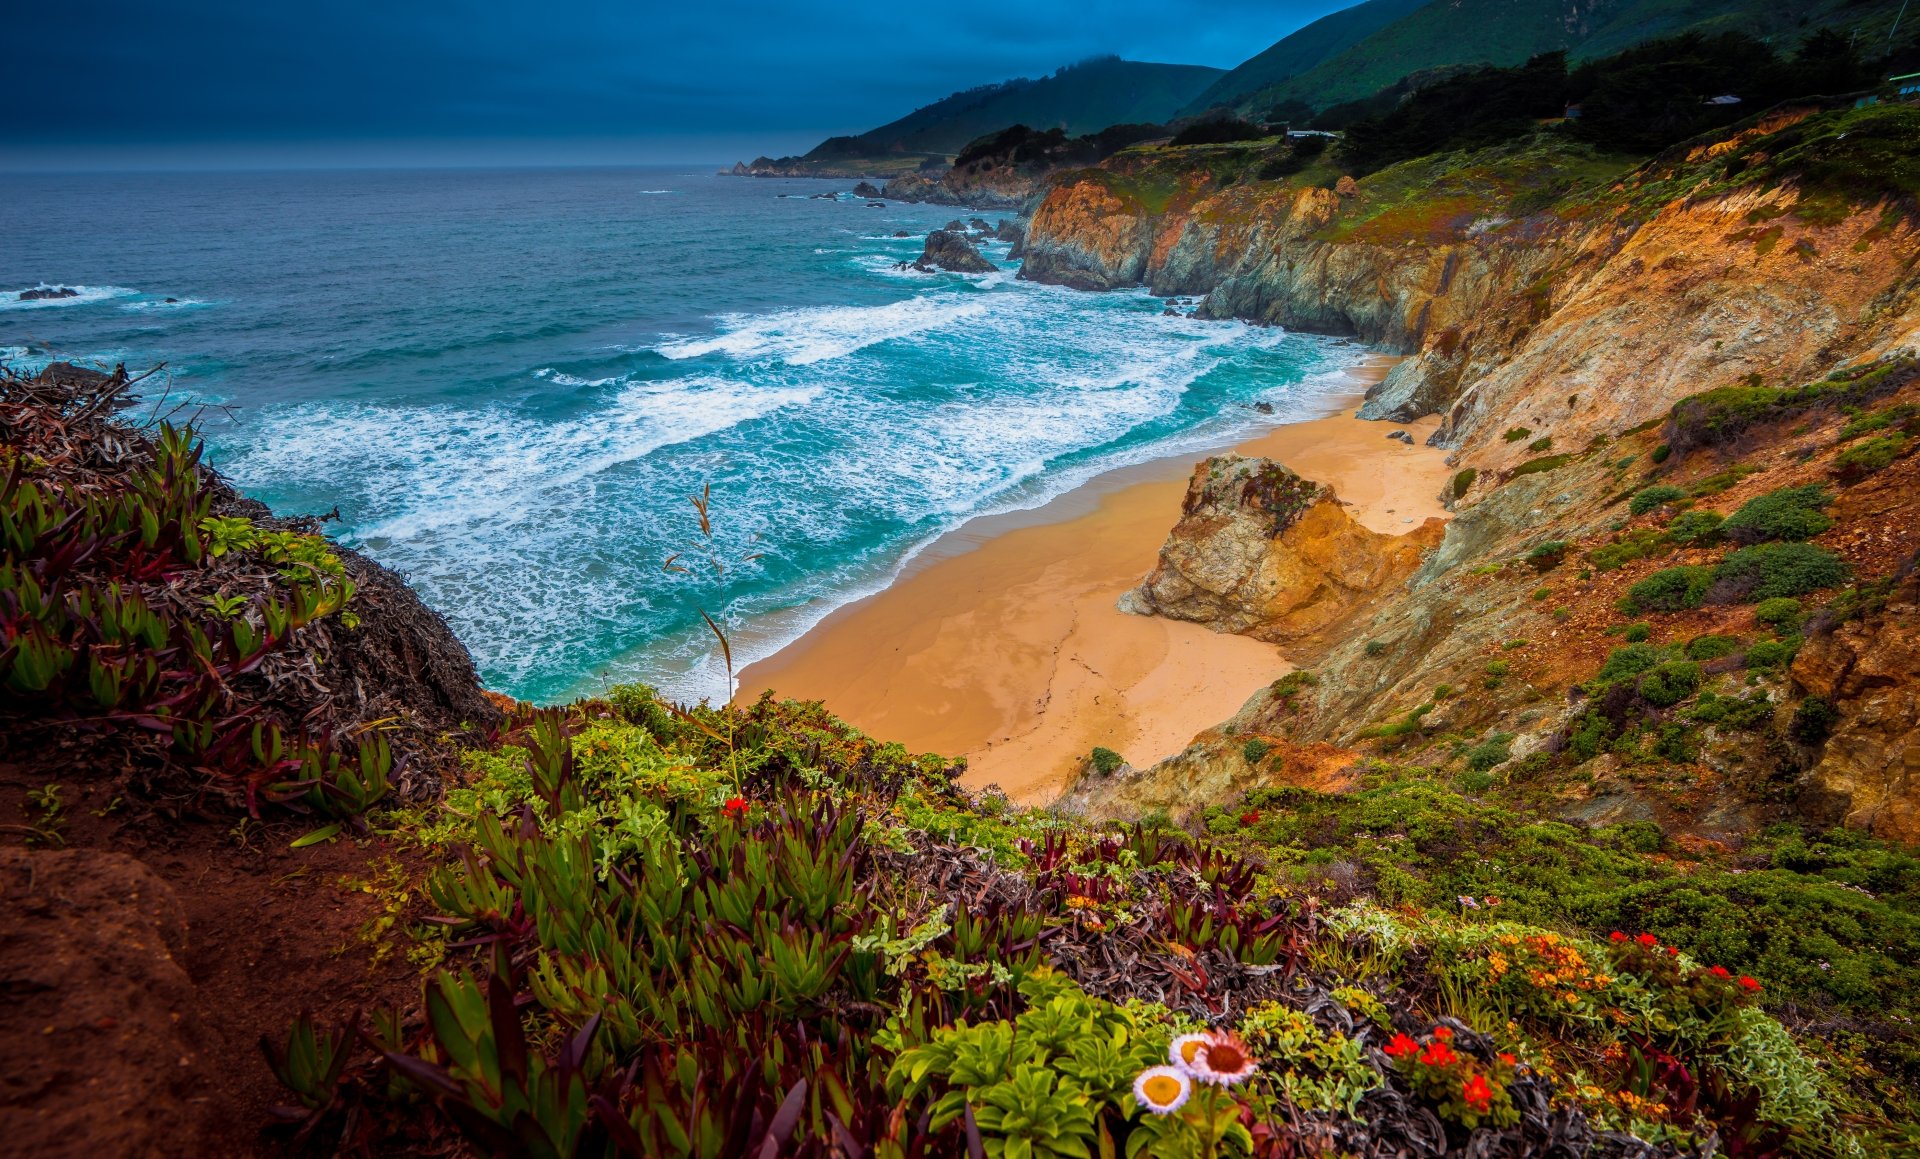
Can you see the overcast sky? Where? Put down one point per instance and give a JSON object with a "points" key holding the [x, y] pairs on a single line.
{"points": [[465, 81]]}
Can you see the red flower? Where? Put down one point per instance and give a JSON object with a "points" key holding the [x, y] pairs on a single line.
{"points": [[1509, 1059], [1719, 972], [1250, 817], [1749, 983], [1647, 940], [1438, 1053], [1444, 1034], [1617, 936], [1402, 1047], [1477, 1094], [1673, 951], [736, 807]]}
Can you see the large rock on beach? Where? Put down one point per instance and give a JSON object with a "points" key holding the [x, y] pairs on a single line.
{"points": [[1265, 553]]}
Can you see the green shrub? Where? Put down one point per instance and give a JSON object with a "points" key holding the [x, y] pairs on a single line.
{"points": [[1770, 570], [1813, 720], [1781, 612], [1536, 466], [1699, 528], [1256, 750], [1670, 683], [1515, 434], [1547, 556], [1648, 498], [1475, 781], [1496, 750], [1719, 417], [1773, 653], [1464, 481], [1672, 589], [1790, 513], [1376, 647], [1732, 711], [1906, 416], [1106, 761], [1629, 661], [1638, 633], [1863, 459], [1542, 593], [1638, 543], [1711, 647], [1545, 444], [1661, 453]]}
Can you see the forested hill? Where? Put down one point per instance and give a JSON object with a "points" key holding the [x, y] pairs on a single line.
{"points": [[1080, 98], [1452, 33]]}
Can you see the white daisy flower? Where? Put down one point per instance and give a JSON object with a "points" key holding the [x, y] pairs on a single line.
{"points": [[1162, 1089]]}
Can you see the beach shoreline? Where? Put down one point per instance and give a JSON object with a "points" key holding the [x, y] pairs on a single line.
{"points": [[1003, 643]]}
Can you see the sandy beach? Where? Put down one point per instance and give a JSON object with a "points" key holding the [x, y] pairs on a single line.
{"points": [[1003, 643]]}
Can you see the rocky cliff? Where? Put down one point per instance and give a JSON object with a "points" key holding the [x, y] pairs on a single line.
{"points": [[1556, 327], [1532, 285]]}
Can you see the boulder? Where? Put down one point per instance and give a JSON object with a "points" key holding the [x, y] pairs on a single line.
{"points": [[955, 226], [950, 250], [1346, 186], [1009, 231], [866, 189], [979, 224], [901, 233], [48, 293], [1265, 553]]}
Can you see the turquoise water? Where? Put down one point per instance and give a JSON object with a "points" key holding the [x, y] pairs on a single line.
{"points": [[510, 383]]}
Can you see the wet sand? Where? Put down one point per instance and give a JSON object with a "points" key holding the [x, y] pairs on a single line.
{"points": [[1002, 643]]}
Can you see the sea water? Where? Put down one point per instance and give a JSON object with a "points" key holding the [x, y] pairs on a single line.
{"points": [[513, 386]]}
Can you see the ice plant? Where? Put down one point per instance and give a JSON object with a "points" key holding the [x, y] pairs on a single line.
{"points": [[1162, 1090], [1477, 1094]]}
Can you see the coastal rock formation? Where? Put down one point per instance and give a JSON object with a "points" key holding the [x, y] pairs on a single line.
{"points": [[948, 249], [48, 294], [1502, 313], [1262, 552], [866, 189], [1868, 670]]}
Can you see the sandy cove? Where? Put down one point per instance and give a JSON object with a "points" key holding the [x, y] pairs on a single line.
{"points": [[1003, 643]]}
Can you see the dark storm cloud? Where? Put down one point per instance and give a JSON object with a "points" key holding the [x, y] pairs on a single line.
{"points": [[118, 72]]}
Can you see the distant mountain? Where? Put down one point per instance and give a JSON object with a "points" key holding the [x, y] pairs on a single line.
{"points": [[1302, 49], [1448, 33], [1080, 98]]}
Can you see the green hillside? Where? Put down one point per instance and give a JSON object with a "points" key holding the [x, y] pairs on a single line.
{"points": [[1507, 32], [1081, 98], [1302, 49]]}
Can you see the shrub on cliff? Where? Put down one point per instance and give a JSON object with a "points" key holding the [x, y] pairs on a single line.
{"points": [[1648, 498], [1789, 513], [1673, 589], [1721, 416], [1771, 570], [1669, 683], [1863, 459]]}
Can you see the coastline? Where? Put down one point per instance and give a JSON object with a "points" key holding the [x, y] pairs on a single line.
{"points": [[1004, 645]]}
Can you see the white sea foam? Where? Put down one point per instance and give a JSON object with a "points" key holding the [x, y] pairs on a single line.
{"points": [[560, 378], [815, 334], [163, 304], [85, 296]]}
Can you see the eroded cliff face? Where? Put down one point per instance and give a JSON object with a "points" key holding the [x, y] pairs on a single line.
{"points": [[1572, 323], [1264, 553], [1553, 345]]}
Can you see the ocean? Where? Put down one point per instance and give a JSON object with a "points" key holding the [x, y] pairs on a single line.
{"points": [[513, 385]]}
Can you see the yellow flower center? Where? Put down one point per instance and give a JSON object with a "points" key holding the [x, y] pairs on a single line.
{"points": [[1161, 1089], [1190, 1050]]}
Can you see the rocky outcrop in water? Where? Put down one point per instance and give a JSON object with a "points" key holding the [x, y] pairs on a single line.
{"points": [[948, 249], [1262, 552], [48, 294]]}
